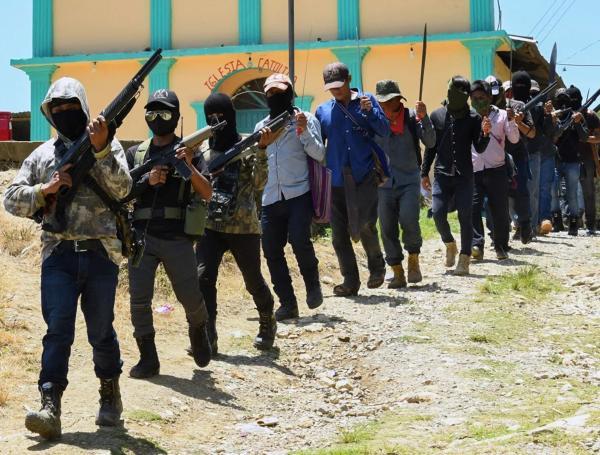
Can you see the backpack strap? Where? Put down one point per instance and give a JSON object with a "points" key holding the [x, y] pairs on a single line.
{"points": [[140, 153]]}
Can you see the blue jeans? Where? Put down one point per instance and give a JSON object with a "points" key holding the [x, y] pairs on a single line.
{"points": [[535, 162], [570, 172], [283, 221], [401, 205], [520, 195], [546, 180], [66, 276], [460, 190]]}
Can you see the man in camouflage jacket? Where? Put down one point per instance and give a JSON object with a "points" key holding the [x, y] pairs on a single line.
{"points": [[81, 261], [233, 225]]}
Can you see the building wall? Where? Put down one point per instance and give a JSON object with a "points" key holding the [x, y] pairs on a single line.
{"points": [[219, 45], [196, 24], [86, 27], [399, 18]]}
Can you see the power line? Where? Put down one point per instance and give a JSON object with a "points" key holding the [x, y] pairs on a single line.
{"points": [[546, 24], [542, 18], [582, 49], [576, 64], [558, 21]]}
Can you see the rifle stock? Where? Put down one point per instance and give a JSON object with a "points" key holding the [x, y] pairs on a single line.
{"points": [[539, 97]]}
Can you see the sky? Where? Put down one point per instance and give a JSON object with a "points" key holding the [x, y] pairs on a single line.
{"points": [[573, 24]]}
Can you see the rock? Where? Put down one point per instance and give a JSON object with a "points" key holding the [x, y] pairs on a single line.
{"points": [[268, 422], [452, 421], [343, 385], [305, 423], [419, 397], [541, 376], [252, 428], [344, 338], [305, 357], [327, 280]]}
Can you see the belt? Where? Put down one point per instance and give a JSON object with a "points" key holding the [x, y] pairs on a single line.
{"points": [[80, 246], [167, 213]]}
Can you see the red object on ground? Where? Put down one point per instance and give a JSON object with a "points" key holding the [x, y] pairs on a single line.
{"points": [[5, 127]]}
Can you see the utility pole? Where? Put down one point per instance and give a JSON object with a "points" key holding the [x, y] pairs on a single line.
{"points": [[291, 42]]}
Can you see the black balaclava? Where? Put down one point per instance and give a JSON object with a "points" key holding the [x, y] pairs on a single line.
{"points": [[281, 102], [221, 105], [160, 127], [576, 98], [521, 86], [561, 101], [458, 97], [72, 123]]}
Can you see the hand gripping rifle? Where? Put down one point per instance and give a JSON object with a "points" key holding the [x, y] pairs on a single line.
{"points": [[583, 109], [540, 97], [169, 158], [242, 148], [81, 153]]}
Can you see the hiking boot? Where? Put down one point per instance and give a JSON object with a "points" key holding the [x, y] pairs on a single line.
{"points": [[314, 296], [213, 336], [287, 311], [545, 227], [477, 253], [462, 268], [399, 281], [111, 406], [557, 222], [200, 345], [345, 290], [573, 225], [451, 252], [267, 330], [376, 279], [414, 270], [148, 364], [46, 422], [501, 254], [526, 234]]}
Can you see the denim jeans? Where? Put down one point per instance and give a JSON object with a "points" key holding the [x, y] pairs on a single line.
{"points": [[520, 195], [493, 184], [400, 205], [460, 189], [66, 276], [570, 173], [245, 249], [546, 180], [283, 221], [535, 161]]}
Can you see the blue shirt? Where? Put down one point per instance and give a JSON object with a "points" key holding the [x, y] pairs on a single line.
{"points": [[346, 146], [286, 157]]}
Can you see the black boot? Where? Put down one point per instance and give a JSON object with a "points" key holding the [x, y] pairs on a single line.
{"points": [[111, 406], [314, 296], [213, 336], [557, 222], [526, 234], [200, 345], [573, 225], [46, 422], [148, 365], [266, 331], [287, 311]]}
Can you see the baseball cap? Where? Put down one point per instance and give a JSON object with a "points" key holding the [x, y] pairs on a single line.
{"points": [[278, 80], [165, 97], [507, 85], [335, 75], [386, 90], [535, 87], [494, 84], [481, 85]]}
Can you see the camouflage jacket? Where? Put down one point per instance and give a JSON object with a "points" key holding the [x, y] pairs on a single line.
{"points": [[87, 216], [252, 179]]}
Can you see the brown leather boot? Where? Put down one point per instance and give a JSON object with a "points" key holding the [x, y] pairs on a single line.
{"points": [[414, 270], [451, 252], [399, 281], [462, 268]]}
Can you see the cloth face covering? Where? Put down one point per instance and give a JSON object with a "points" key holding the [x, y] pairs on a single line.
{"points": [[70, 123], [160, 127], [521, 86], [221, 105], [457, 101], [281, 102]]}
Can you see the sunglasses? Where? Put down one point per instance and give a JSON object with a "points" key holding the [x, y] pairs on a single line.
{"points": [[165, 115]]}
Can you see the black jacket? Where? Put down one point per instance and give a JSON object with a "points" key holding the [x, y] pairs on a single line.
{"points": [[454, 138]]}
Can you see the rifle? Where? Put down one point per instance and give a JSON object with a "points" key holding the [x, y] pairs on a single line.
{"points": [[81, 153], [583, 109], [240, 150], [169, 158], [539, 97]]}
